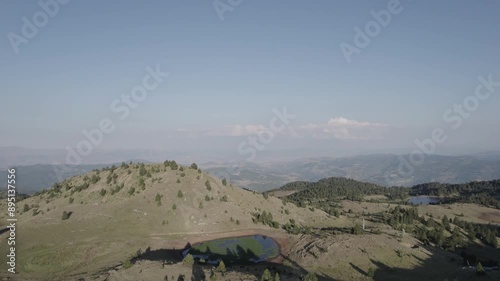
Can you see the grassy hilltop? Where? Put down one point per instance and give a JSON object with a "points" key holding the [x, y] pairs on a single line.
{"points": [[130, 222], [116, 211]]}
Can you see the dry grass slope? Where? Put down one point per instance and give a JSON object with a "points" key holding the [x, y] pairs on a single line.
{"points": [[108, 225]]}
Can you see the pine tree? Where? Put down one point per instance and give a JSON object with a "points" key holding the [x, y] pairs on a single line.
{"points": [[357, 230], [173, 165], [446, 222], [422, 235], [480, 269], [127, 264], [371, 272], [188, 260], [221, 267], [431, 223], [158, 199], [142, 170], [131, 191], [455, 240], [142, 184], [266, 276], [310, 277], [65, 215]]}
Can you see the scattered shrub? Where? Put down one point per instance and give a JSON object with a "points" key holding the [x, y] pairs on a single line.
{"points": [[131, 191], [65, 215], [188, 260], [371, 272]]}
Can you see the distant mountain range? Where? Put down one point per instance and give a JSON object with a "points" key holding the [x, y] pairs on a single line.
{"points": [[33, 178], [380, 169], [19, 156]]}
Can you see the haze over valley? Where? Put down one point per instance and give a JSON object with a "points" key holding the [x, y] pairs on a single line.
{"points": [[234, 140]]}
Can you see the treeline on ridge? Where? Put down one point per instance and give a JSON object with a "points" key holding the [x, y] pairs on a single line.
{"points": [[486, 193], [331, 189]]}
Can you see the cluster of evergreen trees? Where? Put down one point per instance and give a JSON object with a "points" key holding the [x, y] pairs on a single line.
{"points": [[80, 187], [111, 178], [325, 191], [443, 189], [295, 186], [486, 233], [480, 192], [117, 188], [293, 228], [265, 218], [434, 232], [437, 236], [402, 218], [172, 164]]}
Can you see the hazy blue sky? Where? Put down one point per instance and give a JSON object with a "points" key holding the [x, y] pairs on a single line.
{"points": [[226, 76]]}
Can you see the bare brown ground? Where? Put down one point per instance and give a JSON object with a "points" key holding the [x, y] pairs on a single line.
{"points": [[490, 216]]}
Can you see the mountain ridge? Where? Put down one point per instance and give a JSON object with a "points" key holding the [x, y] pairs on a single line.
{"points": [[379, 169]]}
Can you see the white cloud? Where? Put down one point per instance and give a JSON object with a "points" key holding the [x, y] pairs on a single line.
{"points": [[343, 128], [236, 130], [335, 128]]}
